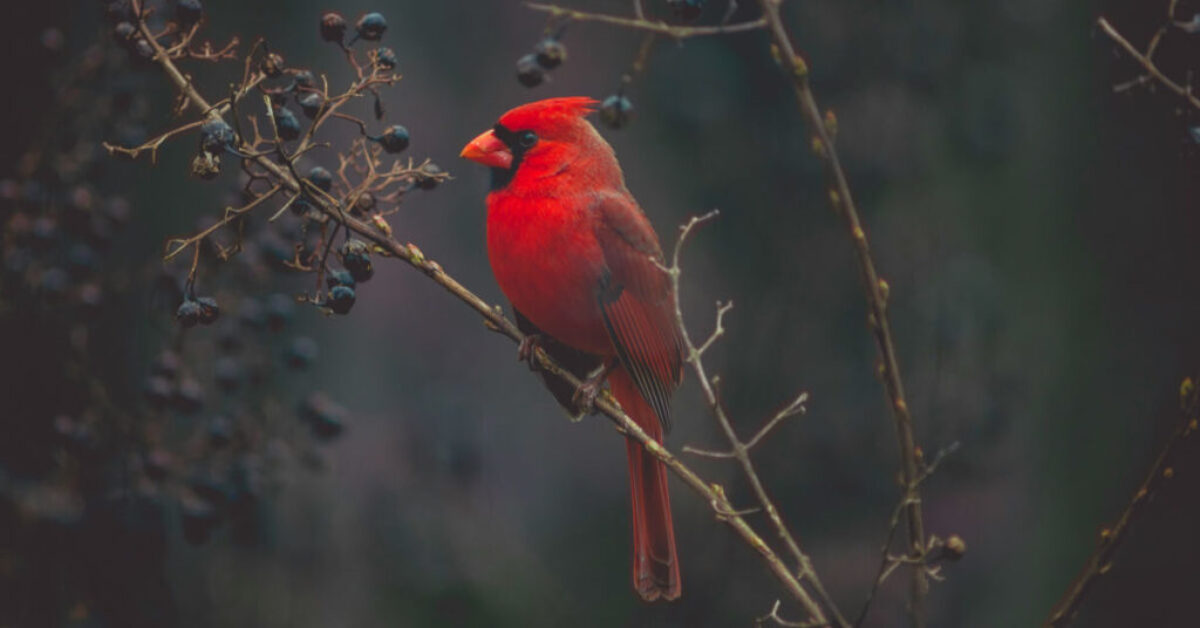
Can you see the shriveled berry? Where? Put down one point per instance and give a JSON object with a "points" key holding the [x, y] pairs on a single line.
{"points": [[286, 123], [394, 139], [340, 299], [429, 178], [686, 10], [363, 204], [189, 313], [272, 65], [209, 310], [616, 112], [206, 166], [529, 73], [371, 26], [321, 178], [385, 58], [302, 352], [188, 12], [339, 277], [310, 104], [216, 136], [550, 53], [333, 27]]}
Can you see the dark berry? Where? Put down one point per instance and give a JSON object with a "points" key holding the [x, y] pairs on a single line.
{"points": [[216, 136], [429, 178], [209, 311], [124, 30], [310, 104], [166, 364], [220, 432], [385, 58], [616, 112], [250, 313], [529, 73], [81, 259], [118, 11], [686, 10], [340, 299], [189, 313], [286, 123], [280, 308], [356, 257], [189, 396], [394, 139], [325, 417], [339, 278], [321, 178], [143, 49], [303, 78], [333, 27], [302, 352], [371, 26], [228, 374], [188, 12], [158, 391], [550, 53]]}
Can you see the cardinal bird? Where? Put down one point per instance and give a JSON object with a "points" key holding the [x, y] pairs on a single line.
{"points": [[578, 259]]}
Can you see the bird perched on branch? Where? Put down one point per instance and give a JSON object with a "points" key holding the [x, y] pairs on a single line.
{"points": [[580, 263]]}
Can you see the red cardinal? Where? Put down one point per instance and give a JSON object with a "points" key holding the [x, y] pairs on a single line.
{"points": [[574, 254]]}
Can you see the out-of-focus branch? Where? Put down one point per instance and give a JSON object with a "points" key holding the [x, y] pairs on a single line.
{"points": [[874, 288], [640, 24], [1163, 469], [740, 450]]}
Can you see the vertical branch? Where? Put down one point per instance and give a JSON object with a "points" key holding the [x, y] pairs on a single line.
{"points": [[874, 289]]}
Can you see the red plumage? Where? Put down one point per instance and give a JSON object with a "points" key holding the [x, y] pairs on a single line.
{"points": [[575, 255]]}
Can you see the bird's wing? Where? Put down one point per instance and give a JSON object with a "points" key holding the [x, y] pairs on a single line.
{"points": [[635, 298]]}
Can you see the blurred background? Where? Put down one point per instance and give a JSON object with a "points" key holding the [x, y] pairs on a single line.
{"points": [[1038, 232]]}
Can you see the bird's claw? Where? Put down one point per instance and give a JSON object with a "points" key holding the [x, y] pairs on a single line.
{"points": [[527, 348], [584, 398]]}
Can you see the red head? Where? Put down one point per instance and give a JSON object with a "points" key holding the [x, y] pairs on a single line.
{"points": [[541, 139]]}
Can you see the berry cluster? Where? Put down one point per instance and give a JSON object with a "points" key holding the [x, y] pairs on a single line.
{"points": [[548, 54]]}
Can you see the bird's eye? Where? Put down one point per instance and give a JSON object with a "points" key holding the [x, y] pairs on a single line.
{"points": [[527, 139]]}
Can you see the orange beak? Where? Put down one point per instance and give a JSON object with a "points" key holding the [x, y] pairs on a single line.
{"points": [[488, 150]]}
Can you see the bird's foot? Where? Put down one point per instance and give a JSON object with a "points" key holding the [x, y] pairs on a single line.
{"points": [[585, 396], [527, 348]]}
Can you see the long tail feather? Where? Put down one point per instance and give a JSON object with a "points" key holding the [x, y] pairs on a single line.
{"points": [[655, 562]]}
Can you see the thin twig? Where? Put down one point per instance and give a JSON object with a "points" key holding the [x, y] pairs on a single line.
{"points": [[1148, 64], [671, 30]]}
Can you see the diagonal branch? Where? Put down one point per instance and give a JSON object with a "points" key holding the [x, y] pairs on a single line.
{"points": [[741, 450], [1161, 471]]}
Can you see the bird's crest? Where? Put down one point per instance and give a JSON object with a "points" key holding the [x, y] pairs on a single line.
{"points": [[548, 111]]}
